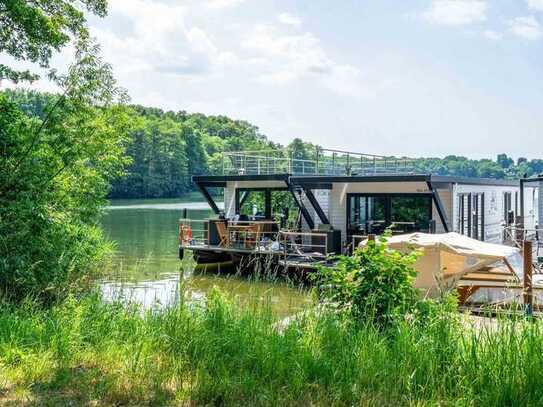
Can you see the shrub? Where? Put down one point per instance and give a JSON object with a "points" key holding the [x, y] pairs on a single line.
{"points": [[54, 173], [376, 282]]}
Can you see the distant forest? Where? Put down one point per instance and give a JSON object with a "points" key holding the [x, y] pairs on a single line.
{"points": [[166, 148]]}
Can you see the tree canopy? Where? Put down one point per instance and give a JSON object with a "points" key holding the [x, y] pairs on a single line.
{"points": [[58, 154], [33, 30], [166, 148]]}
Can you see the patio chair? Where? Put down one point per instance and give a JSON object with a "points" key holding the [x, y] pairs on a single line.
{"points": [[253, 234], [222, 231]]}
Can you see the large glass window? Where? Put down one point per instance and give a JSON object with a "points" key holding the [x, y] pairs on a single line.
{"points": [[410, 214], [265, 203], [252, 203], [403, 213], [367, 214]]}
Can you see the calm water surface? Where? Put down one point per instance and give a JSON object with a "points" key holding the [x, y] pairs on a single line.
{"points": [[147, 270]]}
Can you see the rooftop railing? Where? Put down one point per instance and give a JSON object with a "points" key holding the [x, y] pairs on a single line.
{"points": [[318, 162]]}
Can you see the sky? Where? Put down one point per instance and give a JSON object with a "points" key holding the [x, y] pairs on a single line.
{"points": [[409, 77]]}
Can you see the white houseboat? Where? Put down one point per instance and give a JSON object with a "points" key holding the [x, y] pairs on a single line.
{"points": [[302, 209]]}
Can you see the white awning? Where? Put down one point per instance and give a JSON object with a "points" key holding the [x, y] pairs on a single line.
{"points": [[449, 256]]}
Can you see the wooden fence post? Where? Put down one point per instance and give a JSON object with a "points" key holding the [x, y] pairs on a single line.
{"points": [[528, 270]]}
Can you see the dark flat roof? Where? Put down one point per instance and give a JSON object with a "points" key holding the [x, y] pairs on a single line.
{"points": [[475, 181], [201, 179], [443, 179], [360, 178], [532, 179], [315, 180]]}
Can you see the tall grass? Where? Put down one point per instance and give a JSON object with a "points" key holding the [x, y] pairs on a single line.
{"points": [[85, 351]]}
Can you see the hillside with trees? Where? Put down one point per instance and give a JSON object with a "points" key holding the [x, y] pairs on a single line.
{"points": [[166, 148]]}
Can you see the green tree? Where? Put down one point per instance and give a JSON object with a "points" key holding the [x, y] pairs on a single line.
{"points": [[33, 30], [489, 169], [303, 154], [167, 148], [504, 161], [54, 175]]}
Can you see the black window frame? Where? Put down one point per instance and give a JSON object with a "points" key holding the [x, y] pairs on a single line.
{"points": [[475, 219], [267, 198], [388, 204], [507, 205]]}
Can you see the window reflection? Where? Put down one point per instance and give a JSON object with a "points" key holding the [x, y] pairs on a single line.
{"points": [[402, 213]]}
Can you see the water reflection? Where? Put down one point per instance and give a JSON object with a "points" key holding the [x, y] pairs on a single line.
{"points": [[149, 294], [147, 271], [168, 289]]}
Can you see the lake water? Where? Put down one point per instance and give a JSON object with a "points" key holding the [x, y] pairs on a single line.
{"points": [[147, 270]]}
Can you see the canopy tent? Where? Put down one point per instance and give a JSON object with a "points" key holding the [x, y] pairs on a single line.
{"points": [[449, 257]]}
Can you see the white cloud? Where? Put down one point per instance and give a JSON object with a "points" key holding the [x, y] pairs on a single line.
{"points": [[200, 42], [536, 4], [289, 19], [456, 12], [286, 56], [158, 38], [278, 58], [223, 3], [526, 27], [185, 55], [492, 35]]}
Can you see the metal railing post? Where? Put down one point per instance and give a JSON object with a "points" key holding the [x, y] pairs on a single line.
{"points": [[290, 166], [528, 270]]}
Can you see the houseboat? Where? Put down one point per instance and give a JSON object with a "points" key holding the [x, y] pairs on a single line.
{"points": [[301, 208]]}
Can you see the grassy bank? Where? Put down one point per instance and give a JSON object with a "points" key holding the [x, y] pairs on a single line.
{"points": [[87, 352]]}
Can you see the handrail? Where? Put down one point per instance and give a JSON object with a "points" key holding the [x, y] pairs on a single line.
{"points": [[241, 236], [297, 248], [192, 235], [321, 161]]}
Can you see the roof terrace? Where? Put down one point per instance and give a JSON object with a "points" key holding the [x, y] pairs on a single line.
{"points": [[318, 162]]}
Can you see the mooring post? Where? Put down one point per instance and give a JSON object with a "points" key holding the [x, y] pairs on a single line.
{"points": [[528, 269]]}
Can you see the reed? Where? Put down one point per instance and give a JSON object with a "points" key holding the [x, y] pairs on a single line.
{"points": [[84, 351]]}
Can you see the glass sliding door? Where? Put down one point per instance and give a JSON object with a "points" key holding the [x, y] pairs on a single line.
{"points": [[367, 214], [403, 213]]}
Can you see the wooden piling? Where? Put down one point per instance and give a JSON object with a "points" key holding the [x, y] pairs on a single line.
{"points": [[528, 271]]}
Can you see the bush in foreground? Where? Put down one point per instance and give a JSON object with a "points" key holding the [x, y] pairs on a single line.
{"points": [[375, 283], [87, 351]]}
